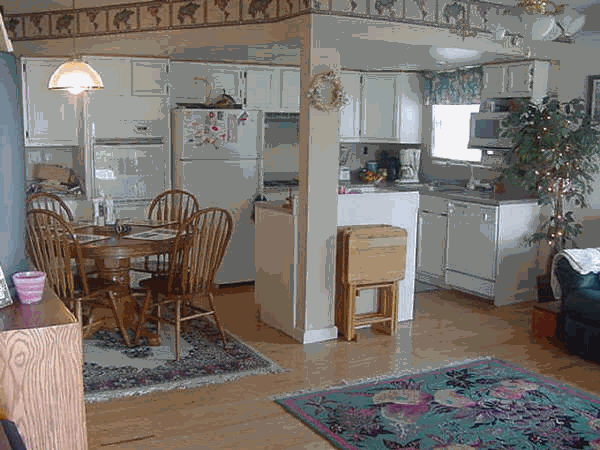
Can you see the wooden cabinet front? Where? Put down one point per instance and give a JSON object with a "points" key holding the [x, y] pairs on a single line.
{"points": [[42, 380]]}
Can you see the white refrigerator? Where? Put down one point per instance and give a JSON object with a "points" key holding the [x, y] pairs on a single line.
{"points": [[216, 157]]}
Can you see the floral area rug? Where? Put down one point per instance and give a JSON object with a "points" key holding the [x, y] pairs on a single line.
{"points": [[112, 370], [488, 404]]}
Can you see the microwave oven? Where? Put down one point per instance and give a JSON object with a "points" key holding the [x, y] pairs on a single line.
{"points": [[485, 129]]}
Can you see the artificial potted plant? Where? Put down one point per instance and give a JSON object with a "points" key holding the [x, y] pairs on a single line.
{"points": [[556, 150]]}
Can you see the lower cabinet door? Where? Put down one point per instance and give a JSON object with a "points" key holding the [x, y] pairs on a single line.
{"points": [[431, 252]]}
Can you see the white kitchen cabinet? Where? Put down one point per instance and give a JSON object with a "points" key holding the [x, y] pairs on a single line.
{"points": [[262, 88], [149, 77], [432, 238], [184, 85], [115, 73], [379, 107], [350, 114], [227, 79], [391, 108], [188, 82], [532, 78], [484, 252], [290, 89], [52, 117], [410, 91], [276, 262], [519, 78], [494, 84]]}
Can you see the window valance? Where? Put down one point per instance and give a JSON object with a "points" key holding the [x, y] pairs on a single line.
{"points": [[457, 87]]}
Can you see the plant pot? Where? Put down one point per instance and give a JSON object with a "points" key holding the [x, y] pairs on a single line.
{"points": [[544, 288], [29, 286]]}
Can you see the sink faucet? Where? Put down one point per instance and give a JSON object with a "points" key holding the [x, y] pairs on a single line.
{"points": [[472, 181]]}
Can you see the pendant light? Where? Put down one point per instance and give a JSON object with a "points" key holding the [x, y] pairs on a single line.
{"points": [[75, 75]]}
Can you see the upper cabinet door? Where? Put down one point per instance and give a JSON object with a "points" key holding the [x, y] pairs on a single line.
{"points": [[290, 90], [519, 78], [195, 82], [185, 83], [51, 117], [494, 83], [262, 88], [150, 77], [115, 73], [410, 91], [379, 107], [350, 114]]}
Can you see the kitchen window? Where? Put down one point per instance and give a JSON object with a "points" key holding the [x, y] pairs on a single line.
{"points": [[451, 133]]}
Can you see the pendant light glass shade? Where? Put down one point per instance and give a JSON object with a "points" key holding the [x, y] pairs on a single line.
{"points": [[75, 76]]}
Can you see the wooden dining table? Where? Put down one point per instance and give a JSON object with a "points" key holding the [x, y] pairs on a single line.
{"points": [[113, 255]]}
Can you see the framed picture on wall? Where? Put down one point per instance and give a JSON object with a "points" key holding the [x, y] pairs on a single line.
{"points": [[593, 97], [5, 298]]}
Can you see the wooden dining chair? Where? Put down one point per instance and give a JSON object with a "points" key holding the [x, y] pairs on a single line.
{"points": [[177, 205], [196, 255], [53, 245], [50, 202]]}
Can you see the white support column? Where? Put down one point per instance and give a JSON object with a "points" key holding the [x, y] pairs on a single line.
{"points": [[319, 153]]}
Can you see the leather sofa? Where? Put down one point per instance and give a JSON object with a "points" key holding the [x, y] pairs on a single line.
{"points": [[578, 325]]}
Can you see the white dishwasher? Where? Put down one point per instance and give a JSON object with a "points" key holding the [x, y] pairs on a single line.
{"points": [[472, 247]]}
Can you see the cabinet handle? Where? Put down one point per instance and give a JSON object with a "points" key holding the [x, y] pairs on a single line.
{"points": [[141, 128]]}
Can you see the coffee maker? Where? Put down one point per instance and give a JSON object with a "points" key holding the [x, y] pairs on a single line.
{"points": [[410, 162]]}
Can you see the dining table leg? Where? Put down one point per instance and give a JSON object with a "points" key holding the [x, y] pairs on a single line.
{"points": [[117, 271]]}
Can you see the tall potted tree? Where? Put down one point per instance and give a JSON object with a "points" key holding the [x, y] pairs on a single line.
{"points": [[555, 154]]}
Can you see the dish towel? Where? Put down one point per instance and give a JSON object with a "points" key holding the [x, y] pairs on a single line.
{"points": [[583, 260]]}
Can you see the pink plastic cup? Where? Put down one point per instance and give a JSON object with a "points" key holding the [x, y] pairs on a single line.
{"points": [[29, 286]]}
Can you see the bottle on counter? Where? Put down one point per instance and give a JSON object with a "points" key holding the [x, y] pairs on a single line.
{"points": [[109, 211]]}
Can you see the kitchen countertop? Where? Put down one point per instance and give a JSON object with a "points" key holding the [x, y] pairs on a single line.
{"points": [[450, 192]]}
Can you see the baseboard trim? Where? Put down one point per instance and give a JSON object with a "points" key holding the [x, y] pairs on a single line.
{"points": [[312, 336]]}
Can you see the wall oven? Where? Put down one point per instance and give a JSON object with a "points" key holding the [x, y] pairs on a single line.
{"points": [[485, 130]]}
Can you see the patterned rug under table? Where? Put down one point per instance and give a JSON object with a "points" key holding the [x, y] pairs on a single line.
{"points": [[487, 404], [112, 370]]}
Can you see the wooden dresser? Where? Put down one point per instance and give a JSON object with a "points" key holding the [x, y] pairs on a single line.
{"points": [[41, 373]]}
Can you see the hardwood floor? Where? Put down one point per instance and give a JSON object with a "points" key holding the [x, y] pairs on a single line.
{"points": [[448, 326]]}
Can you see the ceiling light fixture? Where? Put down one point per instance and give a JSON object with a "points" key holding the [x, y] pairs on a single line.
{"points": [[75, 75]]}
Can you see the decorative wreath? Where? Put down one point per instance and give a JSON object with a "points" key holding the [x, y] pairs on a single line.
{"points": [[338, 97]]}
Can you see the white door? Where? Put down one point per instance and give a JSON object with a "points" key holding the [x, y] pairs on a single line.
{"points": [[231, 185], [262, 89], [379, 107], [185, 84], [115, 73], [149, 77], [493, 81], [431, 253], [350, 114], [290, 90], [519, 78], [410, 91], [224, 79], [52, 117]]}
